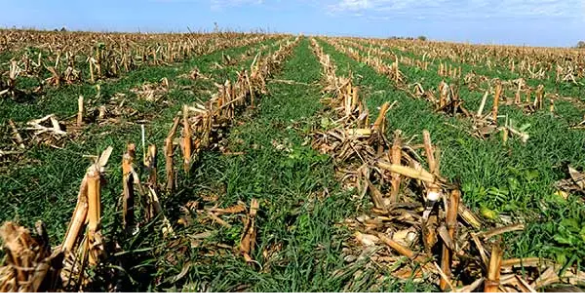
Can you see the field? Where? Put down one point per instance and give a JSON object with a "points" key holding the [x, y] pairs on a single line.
{"points": [[255, 162]]}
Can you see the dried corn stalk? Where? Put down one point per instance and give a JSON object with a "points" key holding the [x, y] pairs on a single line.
{"points": [[248, 240]]}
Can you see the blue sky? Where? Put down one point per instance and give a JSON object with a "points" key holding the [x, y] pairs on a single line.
{"points": [[521, 22]]}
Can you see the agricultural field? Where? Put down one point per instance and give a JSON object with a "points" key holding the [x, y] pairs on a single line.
{"points": [[269, 162]]}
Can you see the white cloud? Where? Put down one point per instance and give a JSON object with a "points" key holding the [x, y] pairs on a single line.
{"points": [[214, 3], [219, 4], [421, 9], [353, 5], [462, 9]]}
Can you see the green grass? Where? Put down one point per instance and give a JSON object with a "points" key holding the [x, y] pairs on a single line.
{"points": [[515, 180], [294, 211], [500, 70], [565, 110], [62, 101], [44, 184], [25, 82], [287, 184], [572, 112], [301, 201]]}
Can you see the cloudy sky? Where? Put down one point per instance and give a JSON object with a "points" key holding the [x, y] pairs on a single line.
{"points": [[521, 22]]}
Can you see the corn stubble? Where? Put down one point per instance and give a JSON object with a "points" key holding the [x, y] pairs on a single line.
{"points": [[71, 58], [417, 215], [56, 131], [446, 99], [33, 265], [418, 226], [566, 64]]}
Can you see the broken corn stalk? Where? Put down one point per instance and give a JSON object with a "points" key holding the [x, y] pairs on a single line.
{"points": [[496, 102], [169, 150], [451, 221], [396, 159], [187, 141], [421, 174], [94, 214], [492, 281], [128, 187]]}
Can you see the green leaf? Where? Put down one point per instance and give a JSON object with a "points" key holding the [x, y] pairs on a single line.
{"points": [[325, 123], [513, 182], [563, 239], [524, 127], [570, 224], [561, 258], [532, 175], [514, 171], [486, 212]]}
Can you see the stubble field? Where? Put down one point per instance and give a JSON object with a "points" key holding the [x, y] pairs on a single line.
{"points": [[256, 162]]}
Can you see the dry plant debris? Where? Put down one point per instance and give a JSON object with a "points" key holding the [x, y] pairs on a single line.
{"points": [[152, 92], [417, 226], [75, 58], [33, 265], [447, 100], [575, 183], [66, 266]]}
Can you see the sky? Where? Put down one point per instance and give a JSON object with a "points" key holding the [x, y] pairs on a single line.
{"points": [[519, 22]]}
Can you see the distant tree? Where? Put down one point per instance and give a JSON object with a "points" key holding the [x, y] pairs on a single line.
{"points": [[581, 45], [422, 38], [63, 29]]}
